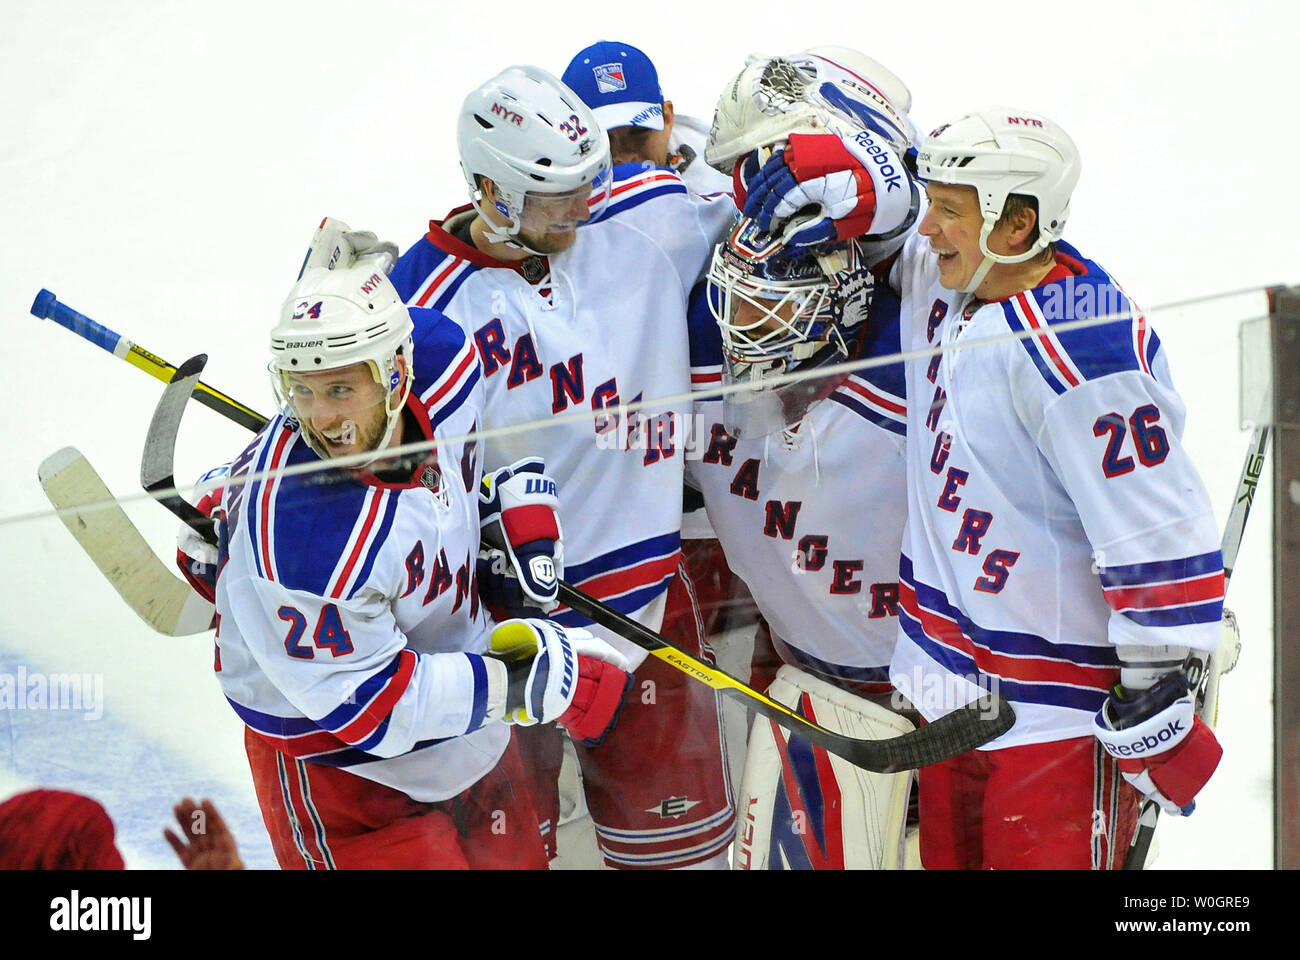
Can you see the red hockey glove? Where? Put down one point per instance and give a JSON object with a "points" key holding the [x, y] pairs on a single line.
{"points": [[1164, 749]]}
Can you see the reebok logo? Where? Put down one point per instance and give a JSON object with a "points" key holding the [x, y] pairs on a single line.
{"points": [[1148, 743], [882, 159]]}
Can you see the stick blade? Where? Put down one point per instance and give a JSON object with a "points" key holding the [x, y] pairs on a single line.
{"points": [[97, 522]]}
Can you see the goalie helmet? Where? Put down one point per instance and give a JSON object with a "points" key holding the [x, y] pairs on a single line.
{"points": [[825, 89], [335, 318], [528, 133], [780, 312], [1001, 151]]}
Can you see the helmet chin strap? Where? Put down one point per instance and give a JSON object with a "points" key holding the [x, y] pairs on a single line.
{"points": [[990, 258]]}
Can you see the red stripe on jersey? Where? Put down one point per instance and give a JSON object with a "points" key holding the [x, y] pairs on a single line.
{"points": [[706, 377], [359, 546], [264, 525], [1142, 344], [307, 745], [465, 364], [608, 585], [876, 398], [1032, 319], [378, 709], [638, 182], [1150, 597], [432, 288], [1025, 669]]}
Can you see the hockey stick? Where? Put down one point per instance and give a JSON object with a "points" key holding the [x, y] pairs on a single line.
{"points": [[960, 731], [97, 522], [47, 306], [1207, 699]]}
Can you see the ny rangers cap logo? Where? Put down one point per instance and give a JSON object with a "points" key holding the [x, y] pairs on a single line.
{"points": [[609, 77]]}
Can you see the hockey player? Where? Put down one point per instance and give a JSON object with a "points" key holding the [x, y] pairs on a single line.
{"points": [[564, 320], [804, 481], [376, 693], [621, 86], [1060, 546]]}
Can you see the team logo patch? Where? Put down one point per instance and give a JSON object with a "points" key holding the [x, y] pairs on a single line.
{"points": [[673, 808], [609, 77], [543, 570]]}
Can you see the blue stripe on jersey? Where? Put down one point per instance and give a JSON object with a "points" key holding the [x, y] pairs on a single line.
{"points": [[479, 712], [448, 407], [271, 724], [314, 517], [448, 293], [862, 410], [620, 206], [883, 339], [1012, 643], [1162, 571], [633, 553], [1029, 345], [439, 342], [1178, 616], [1049, 694], [376, 545], [1106, 348], [353, 756], [627, 604], [253, 498], [374, 739], [345, 713], [421, 260], [1153, 348], [837, 671], [704, 332]]}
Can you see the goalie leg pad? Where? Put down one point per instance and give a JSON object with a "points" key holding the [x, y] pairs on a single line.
{"points": [[802, 808]]}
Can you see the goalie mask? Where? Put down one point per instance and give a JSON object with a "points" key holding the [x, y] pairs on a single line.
{"points": [[335, 358], [544, 151], [822, 90], [780, 313]]}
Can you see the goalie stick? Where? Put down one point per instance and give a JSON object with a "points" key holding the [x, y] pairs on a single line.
{"points": [[97, 522], [957, 732], [1207, 697]]}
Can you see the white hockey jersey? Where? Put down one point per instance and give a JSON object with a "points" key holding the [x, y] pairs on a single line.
{"points": [[1053, 512], [577, 333], [349, 629], [811, 518]]}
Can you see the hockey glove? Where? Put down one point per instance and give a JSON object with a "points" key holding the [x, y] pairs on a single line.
{"points": [[824, 188], [563, 675], [1163, 748], [195, 557], [519, 515]]}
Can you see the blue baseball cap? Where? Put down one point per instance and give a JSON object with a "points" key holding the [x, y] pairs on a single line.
{"points": [[619, 83]]}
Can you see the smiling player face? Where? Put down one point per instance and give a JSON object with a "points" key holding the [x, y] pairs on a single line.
{"points": [[344, 408]]}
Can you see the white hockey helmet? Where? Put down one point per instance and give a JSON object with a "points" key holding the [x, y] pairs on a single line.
{"points": [[1001, 151], [528, 133], [780, 311], [824, 89], [334, 318]]}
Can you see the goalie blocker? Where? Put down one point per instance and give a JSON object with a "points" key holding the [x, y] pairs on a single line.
{"points": [[801, 808]]}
